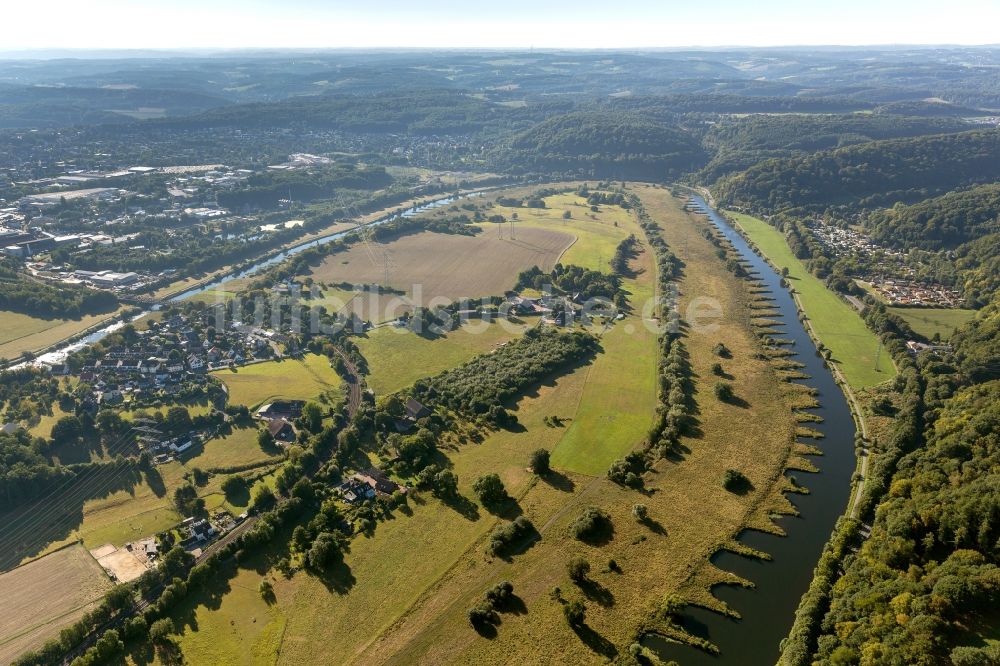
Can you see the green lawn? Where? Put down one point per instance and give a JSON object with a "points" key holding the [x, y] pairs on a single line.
{"points": [[836, 323], [397, 357], [241, 629], [619, 400], [928, 321], [237, 448], [292, 379]]}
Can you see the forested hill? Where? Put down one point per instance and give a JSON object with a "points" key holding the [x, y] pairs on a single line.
{"points": [[624, 145], [879, 173], [926, 583], [941, 222], [741, 142], [925, 586], [979, 261]]}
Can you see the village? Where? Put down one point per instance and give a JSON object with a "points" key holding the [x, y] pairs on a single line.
{"points": [[894, 281]]}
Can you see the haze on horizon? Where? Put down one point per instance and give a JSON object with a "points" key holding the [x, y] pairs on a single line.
{"points": [[236, 24]]}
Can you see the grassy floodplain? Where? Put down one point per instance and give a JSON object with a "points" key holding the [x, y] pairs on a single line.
{"points": [[836, 323], [616, 408], [403, 593]]}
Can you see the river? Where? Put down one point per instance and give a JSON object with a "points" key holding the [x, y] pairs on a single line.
{"points": [[768, 610]]}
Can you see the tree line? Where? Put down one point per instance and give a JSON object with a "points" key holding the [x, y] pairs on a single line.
{"points": [[30, 296]]}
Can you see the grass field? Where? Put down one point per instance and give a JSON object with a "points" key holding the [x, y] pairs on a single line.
{"points": [[836, 323], [49, 594], [597, 234], [243, 630], [928, 321], [618, 402], [20, 332], [237, 448], [692, 514], [292, 379], [403, 593], [398, 357]]}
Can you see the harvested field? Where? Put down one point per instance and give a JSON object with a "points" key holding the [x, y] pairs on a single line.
{"points": [[449, 265], [49, 593]]}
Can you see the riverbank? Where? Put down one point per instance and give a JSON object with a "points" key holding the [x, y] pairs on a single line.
{"points": [[767, 607], [822, 340], [812, 603]]}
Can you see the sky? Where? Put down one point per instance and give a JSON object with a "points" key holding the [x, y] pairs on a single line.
{"points": [[184, 24]]}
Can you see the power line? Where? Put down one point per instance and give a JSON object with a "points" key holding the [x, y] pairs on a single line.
{"points": [[67, 489]]}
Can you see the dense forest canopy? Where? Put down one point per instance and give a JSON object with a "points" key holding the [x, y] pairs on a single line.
{"points": [[738, 143], [265, 189], [627, 145], [941, 222], [927, 578], [870, 174]]}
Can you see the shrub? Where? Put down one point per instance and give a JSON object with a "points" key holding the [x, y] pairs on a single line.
{"points": [[590, 524], [234, 485], [717, 370], [263, 499], [640, 512], [734, 480], [724, 391], [722, 351], [490, 490], [159, 631], [671, 607], [445, 484], [324, 551], [500, 594], [578, 568], [482, 614], [575, 613], [505, 536]]}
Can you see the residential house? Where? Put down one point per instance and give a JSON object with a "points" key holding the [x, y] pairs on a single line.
{"points": [[281, 430], [378, 480], [150, 366], [354, 491]]}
